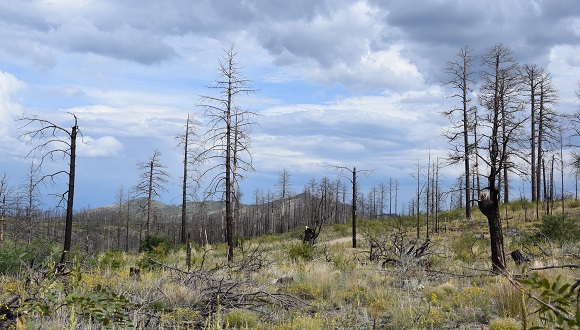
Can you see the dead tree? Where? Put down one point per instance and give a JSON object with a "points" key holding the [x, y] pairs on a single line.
{"points": [[190, 144], [461, 72], [55, 141], [354, 195], [227, 138], [151, 183], [500, 131]]}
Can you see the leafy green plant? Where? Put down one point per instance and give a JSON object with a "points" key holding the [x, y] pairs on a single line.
{"points": [[156, 244], [112, 259], [55, 292], [301, 251], [103, 305], [559, 305], [560, 228], [13, 256]]}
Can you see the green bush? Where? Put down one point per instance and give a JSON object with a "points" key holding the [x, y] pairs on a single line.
{"points": [[14, 256], [155, 244], [463, 247], [520, 204], [301, 251], [154, 247], [112, 260], [574, 203], [560, 228]]}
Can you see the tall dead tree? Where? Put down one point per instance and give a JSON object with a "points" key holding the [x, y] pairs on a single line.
{"points": [[284, 194], [55, 142], [3, 193], [352, 180], [461, 72], [497, 137], [152, 180], [227, 139], [190, 143], [531, 74], [548, 123]]}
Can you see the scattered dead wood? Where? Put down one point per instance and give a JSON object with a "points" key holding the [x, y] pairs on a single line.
{"points": [[229, 286], [393, 249]]}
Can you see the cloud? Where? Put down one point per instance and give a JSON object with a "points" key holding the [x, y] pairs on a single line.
{"points": [[106, 146], [9, 112], [122, 42]]}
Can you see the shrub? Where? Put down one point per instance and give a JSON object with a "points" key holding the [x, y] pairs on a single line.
{"points": [[155, 247], [14, 256], [155, 244], [301, 250], [463, 246], [574, 203], [112, 259], [560, 228]]}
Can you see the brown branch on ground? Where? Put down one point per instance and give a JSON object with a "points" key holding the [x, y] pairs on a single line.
{"points": [[226, 288], [556, 267]]}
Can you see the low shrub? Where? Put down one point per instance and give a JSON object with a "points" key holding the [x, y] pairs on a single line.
{"points": [[112, 259], [14, 256], [463, 247], [301, 251], [153, 243], [560, 228], [156, 248]]}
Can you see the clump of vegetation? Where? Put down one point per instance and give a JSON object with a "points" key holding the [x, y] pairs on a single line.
{"points": [[242, 319], [112, 260], [506, 323], [155, 244], [155, 248], [560, 228], [302, 251], [14, 256]]}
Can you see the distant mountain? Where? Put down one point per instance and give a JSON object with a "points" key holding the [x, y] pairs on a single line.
{"points": [[139, 204]]}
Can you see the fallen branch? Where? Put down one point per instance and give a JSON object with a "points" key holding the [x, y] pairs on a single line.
{"points": [[556, 267]]}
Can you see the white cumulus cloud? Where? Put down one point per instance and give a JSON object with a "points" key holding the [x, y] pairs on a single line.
{"points": [[106, 146]]}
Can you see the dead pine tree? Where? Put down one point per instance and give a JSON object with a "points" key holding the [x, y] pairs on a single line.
{"points": [[189, 142], [352, 180], [460, 72], [54, 142], [152, 180], [501, 130], [227, 139]]}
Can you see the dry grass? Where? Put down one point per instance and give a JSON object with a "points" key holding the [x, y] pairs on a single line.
{"points": [[340, 288]]}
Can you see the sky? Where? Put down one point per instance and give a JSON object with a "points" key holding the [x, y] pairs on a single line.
{"points": [[338, 82]]}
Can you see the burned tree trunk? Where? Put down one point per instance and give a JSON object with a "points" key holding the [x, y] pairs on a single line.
{"points": [[490, 208]]}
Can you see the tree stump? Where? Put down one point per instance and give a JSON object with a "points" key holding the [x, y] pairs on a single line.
{"points": [[135, 272], [309, 235], [518, 257]]}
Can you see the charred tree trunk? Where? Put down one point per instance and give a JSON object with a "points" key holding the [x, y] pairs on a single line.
{"points": [[489, 206], [70, 194]]}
